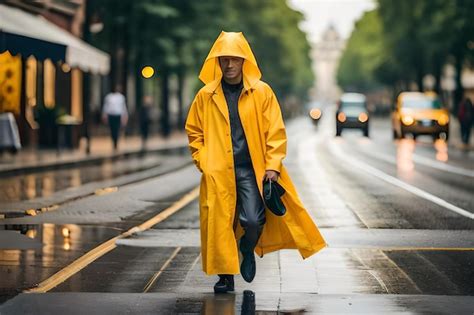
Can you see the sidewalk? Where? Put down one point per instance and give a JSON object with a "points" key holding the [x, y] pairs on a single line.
{"points": [[455, 136], [101, 148]]}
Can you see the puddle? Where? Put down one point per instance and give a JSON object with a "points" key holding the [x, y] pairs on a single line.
{"points": [[44, 184], [57, 239], [228, 304]]}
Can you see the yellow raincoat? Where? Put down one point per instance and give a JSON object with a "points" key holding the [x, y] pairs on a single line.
{"points": [[208, 129]]}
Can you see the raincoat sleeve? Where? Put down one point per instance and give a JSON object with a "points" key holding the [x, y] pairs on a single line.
{"points": [[194, 129], [275, 134]]}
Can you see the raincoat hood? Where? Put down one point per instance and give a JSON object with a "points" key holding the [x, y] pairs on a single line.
{"points": [[235, 45]]}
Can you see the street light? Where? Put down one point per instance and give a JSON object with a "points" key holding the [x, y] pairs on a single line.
{"points": [[147, 72], [65, 67]]}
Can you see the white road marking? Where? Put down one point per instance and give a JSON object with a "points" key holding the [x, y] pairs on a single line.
{"points": [[442, 166], [395, 181], [313, 173], [424, 161]]}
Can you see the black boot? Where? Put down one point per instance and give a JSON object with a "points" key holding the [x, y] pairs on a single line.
{"points": [[225, 284], [248, 267]]}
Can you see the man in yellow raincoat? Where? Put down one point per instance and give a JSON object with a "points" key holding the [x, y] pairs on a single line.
{"points": [[237, 140]]}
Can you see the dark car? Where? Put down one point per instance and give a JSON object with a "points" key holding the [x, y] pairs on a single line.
{"points": [[352, 113]]}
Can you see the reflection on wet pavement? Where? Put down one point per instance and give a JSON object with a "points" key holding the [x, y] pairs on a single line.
{"points": [[44, 184], [405, 149], [220, 304], [209, 304], [60, 245], [333, 271], [406, 154], [441, 150]]}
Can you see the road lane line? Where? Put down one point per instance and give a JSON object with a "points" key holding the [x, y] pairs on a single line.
{"points": [[372, 272], [401, 271], [195, 262], [405, 248], [413, 249], [423, 161], [153, 279], [311, 168], [442, 166], [395, 181], [97, 252]]}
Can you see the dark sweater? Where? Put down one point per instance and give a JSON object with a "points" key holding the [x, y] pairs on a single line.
{"points": [[239, 142]]}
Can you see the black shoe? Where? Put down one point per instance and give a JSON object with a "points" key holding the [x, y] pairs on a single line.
{"points": [[225, 284], [248, 267], [248, 303]]}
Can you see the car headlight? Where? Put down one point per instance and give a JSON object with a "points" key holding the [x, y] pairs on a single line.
{"points": [[443, 120], [341, 117], [407, 120], [315, 113], [363, 117]]}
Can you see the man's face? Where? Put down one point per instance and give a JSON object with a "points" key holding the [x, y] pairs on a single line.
{"points": [[231, 67]]}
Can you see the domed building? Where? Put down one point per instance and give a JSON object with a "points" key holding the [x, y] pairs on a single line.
{"points": [[325, 55]]}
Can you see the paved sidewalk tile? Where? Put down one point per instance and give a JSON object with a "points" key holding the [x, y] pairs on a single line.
{"points": [[100, 147]]}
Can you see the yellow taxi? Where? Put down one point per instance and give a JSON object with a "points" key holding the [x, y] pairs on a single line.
{"points": [[420, 113]]}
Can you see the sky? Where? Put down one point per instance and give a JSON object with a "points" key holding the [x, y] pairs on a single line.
{"points": [[320, 13]]}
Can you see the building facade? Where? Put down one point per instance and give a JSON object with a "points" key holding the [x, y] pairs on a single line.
{"points": [[326, 54], [43, 87]]}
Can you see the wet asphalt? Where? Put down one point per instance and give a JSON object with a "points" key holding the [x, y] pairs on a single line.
{"points": [[397, 216]]}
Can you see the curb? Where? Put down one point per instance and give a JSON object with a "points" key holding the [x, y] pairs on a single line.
{"points": [[26, 169], [98, 191]]}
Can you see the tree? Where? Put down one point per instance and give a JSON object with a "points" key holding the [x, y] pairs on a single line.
{"points": [[364, 54], [281, 48], [409, 40], [174, 37]]}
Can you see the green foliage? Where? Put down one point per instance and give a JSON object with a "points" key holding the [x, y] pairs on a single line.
{"points": [[280, 47], [402, 41], [364, 54], [176, 35]]}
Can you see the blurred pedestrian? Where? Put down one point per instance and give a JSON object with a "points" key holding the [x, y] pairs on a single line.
{"points": [[145, 119], [466, 118], [9, 135], [237, 140], [115, 113]]}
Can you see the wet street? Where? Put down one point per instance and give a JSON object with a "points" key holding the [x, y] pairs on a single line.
{"points": [[398, 217], [45, 183]]}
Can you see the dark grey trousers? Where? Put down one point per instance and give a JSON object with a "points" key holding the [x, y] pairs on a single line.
{"points": [[114, 124], [250, 206]]}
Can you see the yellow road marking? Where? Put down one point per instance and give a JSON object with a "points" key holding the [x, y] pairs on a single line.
{"points": [[394, 249], [426, 248], [152, 281], [105, 191], [49, 208], [31, 212], [80, 263], [195, 262]]}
